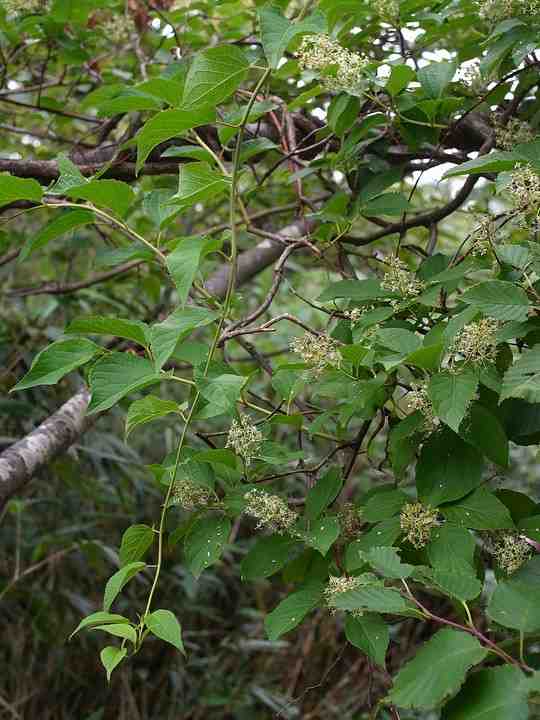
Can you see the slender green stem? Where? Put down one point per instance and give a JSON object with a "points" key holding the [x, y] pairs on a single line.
{"points": [[113, 221], [225, 312]]}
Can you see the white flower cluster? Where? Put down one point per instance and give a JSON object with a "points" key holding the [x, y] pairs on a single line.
{"points": [[483, 237], [418, 399], [524, 189], [338, 585], [340, 69], [510, 551], [387, 10], [245, 439], [350, 521], [271, 511], [417, 521], [477, 342], [399, 279], [191, 496], [514, 132], [319, 351], [354, 315], [495, 10], [118, 28], [24, 7]]}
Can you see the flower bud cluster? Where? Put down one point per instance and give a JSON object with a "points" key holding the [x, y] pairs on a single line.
{"points": [[477, 342], [399, 279], [271, 511], [338, 585], [24, 7], [319, 351], [350, 521], [510, 551], [191, 496], [495, 10], [340, 69], [387, 10], [354, 314], [524, 189], [417, 521], [418, 399], [514, 132], [118, 28], [483, 237], [245, 439]]}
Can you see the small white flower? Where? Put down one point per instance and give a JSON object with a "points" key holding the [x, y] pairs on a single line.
{"points": [[271, 511]]}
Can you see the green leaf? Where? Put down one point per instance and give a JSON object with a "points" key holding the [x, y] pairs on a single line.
{"points": [[450, 541], [386, 561], [483, 429], [342, 113], [373, 598], [147, 409], [448, 469], [386, 204], [59, 226], [384, 533], [497, 693], [57, 360], [170, 91], [522, 379], [358, 290], [117, 581], [169, 124], [197, 182], [116, 375], [267, 556], [123, 630], [277, 32], [111, 657], [15, 188], [205, 541], [514, 604], [99, 618], [369, 633], [403, 441], [494, 162], [112, 194], [164, 625], [323, 493], [136, 541], [128, 101], [166, 334], [499, 299], [400, 77], [451, 394], [183, 262], [437, 670], [118, 327], [398, 340], [292, 610], [322, 534], [221, 392], [456, 577], [530, 527], [480, 510], [251, 148], [384, 504], [214, 75], [435, 77]]}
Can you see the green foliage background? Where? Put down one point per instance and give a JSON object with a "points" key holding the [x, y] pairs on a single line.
{"points": [[317, 223]]}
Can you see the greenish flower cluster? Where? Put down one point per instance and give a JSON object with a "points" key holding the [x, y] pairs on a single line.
{"points": [[245, 439], [271, 511], [399, 279], [477, 341], [417, 521], [341, 70], [319, 351], [510, 551], [191, 496]]}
